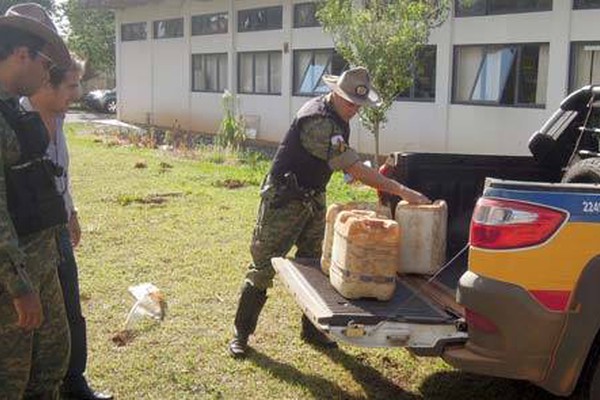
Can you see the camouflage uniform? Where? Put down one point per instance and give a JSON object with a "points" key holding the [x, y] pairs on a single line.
{"points": [[298, 222], [31, 363]]}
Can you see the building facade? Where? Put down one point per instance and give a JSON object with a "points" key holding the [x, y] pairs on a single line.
{"points": [[492, 74]]}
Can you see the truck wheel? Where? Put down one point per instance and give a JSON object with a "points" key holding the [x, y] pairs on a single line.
{"points": [[589, 382], [585, 171], [111, 106]]}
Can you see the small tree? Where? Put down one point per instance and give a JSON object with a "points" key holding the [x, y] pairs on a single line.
{"points": [[384, 37], [91, 35], [232, 132]]}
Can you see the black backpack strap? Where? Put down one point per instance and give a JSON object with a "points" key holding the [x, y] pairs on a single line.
{"points": [[10, 112]]}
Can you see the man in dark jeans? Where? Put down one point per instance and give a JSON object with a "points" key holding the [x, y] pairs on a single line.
{"points": [[52, 101]]}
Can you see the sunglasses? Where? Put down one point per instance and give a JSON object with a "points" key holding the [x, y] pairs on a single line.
{"points": [[48, 63]]}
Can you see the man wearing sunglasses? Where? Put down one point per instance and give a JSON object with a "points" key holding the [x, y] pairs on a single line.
{"points": [[34, 335]]}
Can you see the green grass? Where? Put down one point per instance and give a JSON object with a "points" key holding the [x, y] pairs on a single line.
{"points": [[176, 223]]}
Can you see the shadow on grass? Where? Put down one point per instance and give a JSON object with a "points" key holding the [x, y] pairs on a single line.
{"points": [[447, 385], [376, 386], [457, 385]]}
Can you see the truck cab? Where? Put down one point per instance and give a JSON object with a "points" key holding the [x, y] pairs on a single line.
{"points": [[518, 295]]}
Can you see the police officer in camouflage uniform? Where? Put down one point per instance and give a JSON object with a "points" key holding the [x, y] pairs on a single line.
{"points": [[34, 336], [292, 208]]}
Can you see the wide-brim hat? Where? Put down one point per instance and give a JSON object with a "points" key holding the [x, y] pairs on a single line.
{"points": [[33, 19], [354, 85]]}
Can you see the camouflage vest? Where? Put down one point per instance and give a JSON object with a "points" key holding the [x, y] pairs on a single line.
{"points": [[311, 172], [34, 203]]}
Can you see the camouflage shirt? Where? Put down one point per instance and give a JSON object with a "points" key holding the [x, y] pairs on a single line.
{"points": [[12, 277], [324, 139]]}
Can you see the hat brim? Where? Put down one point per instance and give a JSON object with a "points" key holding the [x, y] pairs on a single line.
{"points": [[57, 50], [372, 98]]}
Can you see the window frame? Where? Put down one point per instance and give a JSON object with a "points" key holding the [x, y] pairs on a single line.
{"points": [[204, 55], [295, 91], [141, 23], [208, 16], [493, 103], [295, 18], [489, 11], [154, 24], [239, 70], [577, 5], [410, 97], [240, 13], [572, 61]]}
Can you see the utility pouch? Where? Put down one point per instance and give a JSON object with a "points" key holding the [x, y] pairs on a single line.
{"points": [[288, 189], [34, 203]]}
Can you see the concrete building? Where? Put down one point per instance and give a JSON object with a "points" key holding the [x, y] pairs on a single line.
{"points": [[495, 70]]}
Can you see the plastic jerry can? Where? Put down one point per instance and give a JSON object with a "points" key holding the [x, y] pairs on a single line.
{"points": [[423, 246], [365, 254], [332, 213]]}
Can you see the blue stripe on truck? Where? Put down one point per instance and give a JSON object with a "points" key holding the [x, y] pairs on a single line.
{"points": [[582, 207]]}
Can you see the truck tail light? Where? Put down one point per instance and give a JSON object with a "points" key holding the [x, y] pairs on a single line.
{"points": [[508, 224], [479, 322]]}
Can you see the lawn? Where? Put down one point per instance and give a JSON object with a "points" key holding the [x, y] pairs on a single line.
{"points": [[178, 222]]}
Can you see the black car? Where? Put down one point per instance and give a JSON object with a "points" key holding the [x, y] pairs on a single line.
{"points": [[101, 100]]}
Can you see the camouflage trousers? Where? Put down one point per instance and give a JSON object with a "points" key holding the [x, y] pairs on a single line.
{"points": [[34, 363], [281, 226]]}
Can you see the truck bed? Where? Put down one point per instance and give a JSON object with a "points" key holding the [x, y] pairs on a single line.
{"points": [[459, 180]]}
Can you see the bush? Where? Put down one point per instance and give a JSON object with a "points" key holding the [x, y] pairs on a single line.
{"points": [[232, 132]]}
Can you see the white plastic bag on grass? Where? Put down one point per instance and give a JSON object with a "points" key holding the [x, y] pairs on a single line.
{"points": [[150, 302]]}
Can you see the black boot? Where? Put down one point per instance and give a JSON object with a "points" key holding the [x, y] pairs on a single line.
{"points": [[311, 335], [250, 305], [77, 388]]}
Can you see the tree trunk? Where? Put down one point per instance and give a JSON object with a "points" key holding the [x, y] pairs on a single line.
{"points": [[376, 134]]}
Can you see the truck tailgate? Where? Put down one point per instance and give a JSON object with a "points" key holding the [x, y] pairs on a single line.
{"points": [[420, 316]]}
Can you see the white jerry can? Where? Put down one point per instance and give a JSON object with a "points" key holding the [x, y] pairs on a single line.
{"points": [[423, 245]]}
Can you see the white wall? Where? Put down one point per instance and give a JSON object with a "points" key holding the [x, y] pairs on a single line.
{"points": [[154, 76]]}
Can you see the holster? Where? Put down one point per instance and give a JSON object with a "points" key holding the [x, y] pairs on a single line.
{"points": [[287, 189]]}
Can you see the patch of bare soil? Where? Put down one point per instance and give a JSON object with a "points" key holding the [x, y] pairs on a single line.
{"points": [[123, 338], [231, 183]]}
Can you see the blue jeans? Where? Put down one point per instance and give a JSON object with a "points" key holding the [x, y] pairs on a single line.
{"points": [[69, 281]]}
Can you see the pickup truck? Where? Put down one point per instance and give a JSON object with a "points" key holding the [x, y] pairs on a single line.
{"points": [[518, 297]]}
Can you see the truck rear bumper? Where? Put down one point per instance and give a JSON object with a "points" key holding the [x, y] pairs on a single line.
{"points": [[519, 335], [473, 360]]}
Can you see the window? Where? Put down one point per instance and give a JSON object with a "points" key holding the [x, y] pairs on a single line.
{"points": [[585, 4], [133, 31], [209, 24], [468, 8], [304, 15], [423, 86], [260, 19], [309, 68], [260, 72], [585, 64], [168, 28], [209, 72], [501, 74]]}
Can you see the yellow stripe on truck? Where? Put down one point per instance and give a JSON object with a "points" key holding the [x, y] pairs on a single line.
{"points": [[555, 265]]}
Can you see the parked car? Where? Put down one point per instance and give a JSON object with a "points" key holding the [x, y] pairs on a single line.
{"points": [[101, 100]]}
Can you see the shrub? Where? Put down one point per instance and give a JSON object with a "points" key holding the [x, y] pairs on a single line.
{"points": [[232, 132]]}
